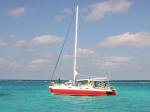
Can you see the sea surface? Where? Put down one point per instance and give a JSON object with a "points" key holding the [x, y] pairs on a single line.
{"points": [[34, 96]]}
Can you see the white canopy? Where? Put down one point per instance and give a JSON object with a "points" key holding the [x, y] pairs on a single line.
{"points": [[95, 79]]}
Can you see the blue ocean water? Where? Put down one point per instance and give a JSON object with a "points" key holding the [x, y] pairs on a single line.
{"points": [[34, 96]]}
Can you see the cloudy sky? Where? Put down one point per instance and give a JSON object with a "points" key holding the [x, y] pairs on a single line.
{"points": [[113, 38]]}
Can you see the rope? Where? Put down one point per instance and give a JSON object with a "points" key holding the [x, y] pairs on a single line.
{"points": [[61, 50]]}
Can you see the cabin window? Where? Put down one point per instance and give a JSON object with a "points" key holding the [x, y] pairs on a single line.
{"points": [[100, 83]]}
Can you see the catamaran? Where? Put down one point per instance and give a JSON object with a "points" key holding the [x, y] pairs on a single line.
{"points": [[89, 86]]}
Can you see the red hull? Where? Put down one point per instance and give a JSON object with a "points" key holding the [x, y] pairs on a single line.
{"points": [[81, 92]]}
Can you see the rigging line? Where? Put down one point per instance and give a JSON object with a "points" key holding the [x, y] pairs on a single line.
{"points": [[66, 37]]}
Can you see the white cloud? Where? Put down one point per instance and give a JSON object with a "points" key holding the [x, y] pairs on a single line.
{"points": [[29, 50], [67, 56], [10, 63], [46, 39], [111, 62], [14, 64], [41, 53], [138, 40], [2, 60], [18, 12], [116, 59], [60, 18], [67, 11], [13, 36], [100, 9], [20, 43], [2, 43], [39, 62], [81, 53], [88, 52], [109, 65], [63, 15]]}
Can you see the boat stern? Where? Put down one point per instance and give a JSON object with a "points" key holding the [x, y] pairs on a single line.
{"points": [[113, 92]]}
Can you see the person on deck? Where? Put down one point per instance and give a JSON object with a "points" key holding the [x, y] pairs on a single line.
{"points": [[59, 80]]}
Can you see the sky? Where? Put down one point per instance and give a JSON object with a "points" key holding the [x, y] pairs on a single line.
{"points": [[113, 39]]}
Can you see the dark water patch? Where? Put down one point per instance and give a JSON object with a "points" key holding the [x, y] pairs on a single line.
{"points": [[5, 94]]}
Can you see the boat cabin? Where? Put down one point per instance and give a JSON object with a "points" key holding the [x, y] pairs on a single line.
{"points": [[94, 82]]}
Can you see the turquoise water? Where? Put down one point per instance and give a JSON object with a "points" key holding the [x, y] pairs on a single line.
{"points": [[34, 96]]}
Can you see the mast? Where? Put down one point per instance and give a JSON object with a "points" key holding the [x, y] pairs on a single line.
{"points": [[75, 48]]}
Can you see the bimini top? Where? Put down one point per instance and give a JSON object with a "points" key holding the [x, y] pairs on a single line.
{"points": [[95, 79]]}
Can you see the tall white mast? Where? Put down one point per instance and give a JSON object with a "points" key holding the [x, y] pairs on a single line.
{"points": [[75, 48]]}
